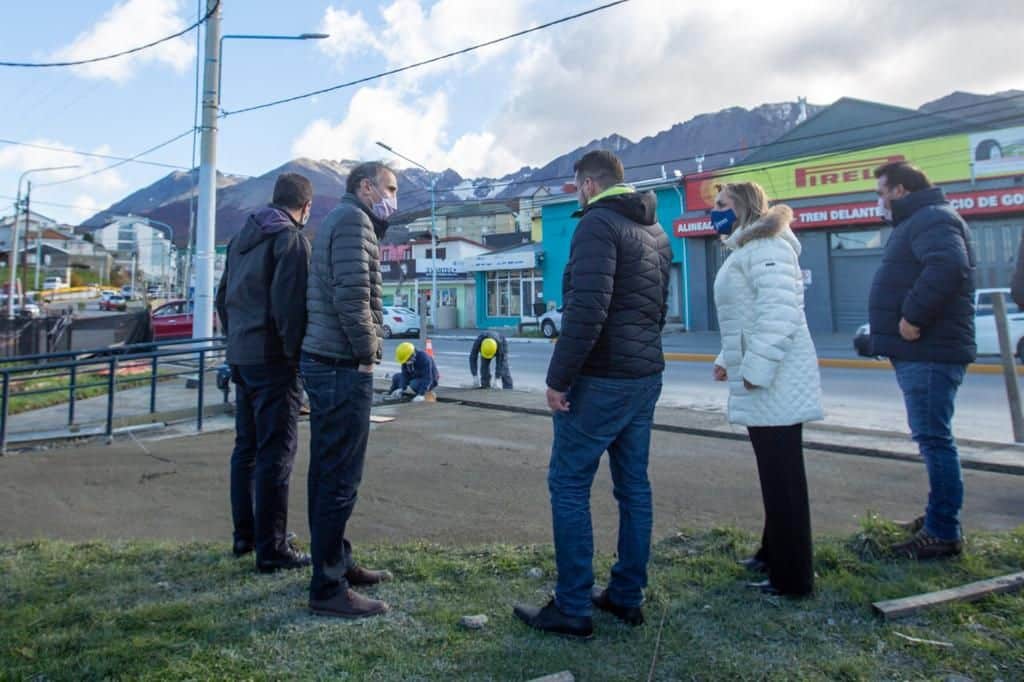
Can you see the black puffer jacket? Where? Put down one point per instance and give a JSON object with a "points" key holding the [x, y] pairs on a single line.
{"points": [[344, 306], [614, 291], [926, 277], [261, 293]]}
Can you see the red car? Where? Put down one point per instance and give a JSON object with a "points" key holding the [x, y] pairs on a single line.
{"points": [[173, 320]]}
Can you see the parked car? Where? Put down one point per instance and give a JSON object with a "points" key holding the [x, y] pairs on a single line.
{"points": [[172, 320], [114, 302], [399, 321], [551, 323], [53, 283], [984, 326]]}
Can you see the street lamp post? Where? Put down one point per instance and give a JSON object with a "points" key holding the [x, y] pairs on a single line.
{"points": [[13, 255], [433, 231], [207, 209]]}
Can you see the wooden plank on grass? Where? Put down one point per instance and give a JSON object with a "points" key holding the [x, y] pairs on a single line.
{"points": [[377, 419], [898, 608]]}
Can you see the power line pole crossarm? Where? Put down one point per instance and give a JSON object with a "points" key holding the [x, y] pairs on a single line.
{"points": [[202, 321]]}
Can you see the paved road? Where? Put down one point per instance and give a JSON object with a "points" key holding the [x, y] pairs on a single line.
{"points": [[853, 397], [453, 474]]}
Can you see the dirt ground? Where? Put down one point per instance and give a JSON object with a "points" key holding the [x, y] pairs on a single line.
{"points": [[450, 474]]}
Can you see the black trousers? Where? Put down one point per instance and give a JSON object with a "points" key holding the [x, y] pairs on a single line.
{"points": [[267, 401], [786, 542], [502, 370]]}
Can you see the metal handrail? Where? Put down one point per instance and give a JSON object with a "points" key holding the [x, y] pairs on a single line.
{"points": [[107, 359], [107, 350]]}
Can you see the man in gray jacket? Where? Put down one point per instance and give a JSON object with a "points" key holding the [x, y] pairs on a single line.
{"points": [[342, 345], [259, 302]]}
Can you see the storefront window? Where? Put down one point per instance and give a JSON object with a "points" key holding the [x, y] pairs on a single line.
{"points": [[859, 240], [513, 293]]}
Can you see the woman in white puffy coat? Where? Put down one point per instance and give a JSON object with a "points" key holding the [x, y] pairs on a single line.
{"points": [[769, 360]]}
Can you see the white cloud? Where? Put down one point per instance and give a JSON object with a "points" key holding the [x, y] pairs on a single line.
{"points": [[85, 207], [414, 125], [129, 24], [641, 67], [407, 32], [349, 34], [19, 159]]}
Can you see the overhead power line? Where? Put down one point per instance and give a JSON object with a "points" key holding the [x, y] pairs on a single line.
{"points": [[119, 163], [95, 155], [409, 67], [93, 60]]}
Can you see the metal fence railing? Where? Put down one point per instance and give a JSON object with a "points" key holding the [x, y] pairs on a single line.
{"points": [[75, 373]]}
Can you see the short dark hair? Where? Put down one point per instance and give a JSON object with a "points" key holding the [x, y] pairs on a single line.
{"points": [[601, 166], [364, 171], [292, 190], [910, 176]]}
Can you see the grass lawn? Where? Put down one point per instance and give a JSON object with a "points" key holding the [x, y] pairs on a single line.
{"points": [[133, 610], [56, 387]]}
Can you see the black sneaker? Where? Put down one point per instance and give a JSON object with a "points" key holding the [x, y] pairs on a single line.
{"points": [[914, 526], [630, 615], [242, 547], [549, 619], [924, 545]]}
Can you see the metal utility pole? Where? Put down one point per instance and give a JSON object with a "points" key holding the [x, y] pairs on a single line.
{"points": [[24, 252], [13, 255], [39, 239], [1009, 371], [131, 281], [202, 320], [433, 237]]}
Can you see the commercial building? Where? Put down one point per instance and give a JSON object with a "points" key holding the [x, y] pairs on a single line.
{"points": [[837, 220]]}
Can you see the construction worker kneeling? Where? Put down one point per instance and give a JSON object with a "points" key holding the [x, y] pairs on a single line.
{"points": [[418, 377]]}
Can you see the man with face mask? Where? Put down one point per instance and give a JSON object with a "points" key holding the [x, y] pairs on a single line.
{"points": [[261, 303], [921, 310], [342, 345]]}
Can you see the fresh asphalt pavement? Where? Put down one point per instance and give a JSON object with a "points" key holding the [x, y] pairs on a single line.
{"points": [[863, 398]]}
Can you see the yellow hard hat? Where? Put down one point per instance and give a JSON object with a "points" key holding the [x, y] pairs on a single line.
{"points": [[404, 351], [488, 348]]}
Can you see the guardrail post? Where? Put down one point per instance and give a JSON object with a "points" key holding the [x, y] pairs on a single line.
{"points": [[72, 380], [152, 386], [202, 377], [1009, 371], [3, 416], [110, 398]]}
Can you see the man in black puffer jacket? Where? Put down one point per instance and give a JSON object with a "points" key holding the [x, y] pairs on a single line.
{"points": [[921, 311], [341, 348], [603, 382], [260, 305]]}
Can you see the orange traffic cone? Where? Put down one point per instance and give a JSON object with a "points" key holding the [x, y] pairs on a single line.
{"points": [[429, 348]]}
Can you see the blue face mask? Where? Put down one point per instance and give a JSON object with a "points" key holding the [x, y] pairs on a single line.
{"points": [[723, 221]]}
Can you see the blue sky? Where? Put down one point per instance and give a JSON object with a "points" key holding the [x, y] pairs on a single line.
{"points": [[634, 69]]}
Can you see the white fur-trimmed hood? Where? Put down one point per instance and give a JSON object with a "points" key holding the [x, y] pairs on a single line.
{"points": [[774, 223]]}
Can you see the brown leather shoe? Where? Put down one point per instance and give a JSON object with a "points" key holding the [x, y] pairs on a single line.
{"points": [[348, 604], [357, 575]]}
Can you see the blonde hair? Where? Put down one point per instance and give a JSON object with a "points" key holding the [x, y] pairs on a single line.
{"points": [[749, 200]]}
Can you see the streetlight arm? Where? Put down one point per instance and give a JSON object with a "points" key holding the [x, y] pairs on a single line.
{"points": [[249, 36]]}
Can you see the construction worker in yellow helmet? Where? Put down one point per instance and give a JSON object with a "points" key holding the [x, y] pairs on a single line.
{"points": [[418, 375], [490, 346]]}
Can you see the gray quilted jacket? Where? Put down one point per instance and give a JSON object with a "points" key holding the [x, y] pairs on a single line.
{"points": [[344, 309]]}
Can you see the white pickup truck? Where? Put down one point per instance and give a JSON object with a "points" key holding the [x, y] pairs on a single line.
{"points": [[984, 326]]}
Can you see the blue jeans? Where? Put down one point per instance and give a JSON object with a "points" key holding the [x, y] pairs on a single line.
{"points": [[267, 401], [613, 415], [339, 418], [929, 392]]}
